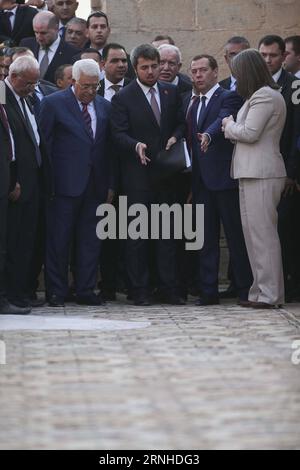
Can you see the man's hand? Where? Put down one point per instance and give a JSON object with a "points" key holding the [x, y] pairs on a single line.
{"points": [[15, 194], [110, 196], [290, 187], [204, 140], [171, 142], [141, 151], [7, 4]]}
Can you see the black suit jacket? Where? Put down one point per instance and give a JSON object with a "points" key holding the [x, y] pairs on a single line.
{"points": [[22, 27], [226, 83], [101, 90], [184, 84], [291, 130], [25, 169], [4, 161], [133, 121], [63, 55]]}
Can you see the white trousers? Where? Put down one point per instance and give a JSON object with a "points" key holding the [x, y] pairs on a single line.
{"points": [[259, 199]]}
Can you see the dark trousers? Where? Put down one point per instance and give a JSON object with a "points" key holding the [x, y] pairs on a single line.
{"points": [[286, 230], [222, 206], [21, 234], [3, 224], [72, 218], [139, 252]]}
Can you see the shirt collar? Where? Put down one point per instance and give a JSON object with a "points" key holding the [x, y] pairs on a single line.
{"points": [[53, 47], [210, 93], [146, 88], [91, 104], [277, 75], [13, 11], [175, 81], [297, 74], [108, 83]]}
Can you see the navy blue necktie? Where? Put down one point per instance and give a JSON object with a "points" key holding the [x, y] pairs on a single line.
{"points": [[202, 113]]}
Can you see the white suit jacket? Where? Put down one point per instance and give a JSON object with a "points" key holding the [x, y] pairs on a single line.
{"points": [[257, 134]]}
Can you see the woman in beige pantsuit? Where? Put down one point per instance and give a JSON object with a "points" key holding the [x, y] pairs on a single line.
{"points": [[259, 166]]}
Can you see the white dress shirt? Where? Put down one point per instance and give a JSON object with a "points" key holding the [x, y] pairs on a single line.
{"points": [[108, 91], [208, 95], [233, 83], [146, 89], [297, 74], [12, 18], [276, 75], [51, 50], [92, 112], [31, 116]]}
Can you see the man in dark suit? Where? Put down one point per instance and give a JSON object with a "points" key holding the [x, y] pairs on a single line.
{"points": [[64, 10], [75, 124], [115, 66], [27, 173], [98, 31], [6, 157], [212, 184], [170, 65], [16, 21], [147, 117], [272, 48], [233, 47], [48, 48]]}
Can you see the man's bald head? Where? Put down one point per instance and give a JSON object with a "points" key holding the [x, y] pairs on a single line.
{"points": [[45, 26]]}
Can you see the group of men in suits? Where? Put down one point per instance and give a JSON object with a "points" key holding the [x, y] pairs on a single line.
{"points": [[152, 106]]}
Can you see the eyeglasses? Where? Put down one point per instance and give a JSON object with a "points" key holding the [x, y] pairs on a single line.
{"points": [[94, 88], [30, 84]]}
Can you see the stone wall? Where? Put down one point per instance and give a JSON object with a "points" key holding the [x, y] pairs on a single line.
{"points": [[199, 26]]}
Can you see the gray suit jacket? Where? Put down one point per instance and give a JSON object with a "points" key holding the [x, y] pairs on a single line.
{"points": [[257, 134]]}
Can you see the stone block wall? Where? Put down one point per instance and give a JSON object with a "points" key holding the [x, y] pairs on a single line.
{"points": [[199, 26]]}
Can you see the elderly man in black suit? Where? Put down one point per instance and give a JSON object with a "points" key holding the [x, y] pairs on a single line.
{"points": [[27, 173], [147, 117], [170, 65], [49, 49], [6, 157]]}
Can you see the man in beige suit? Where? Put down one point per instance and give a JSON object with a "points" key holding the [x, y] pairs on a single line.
{"points": [[259, 166]]}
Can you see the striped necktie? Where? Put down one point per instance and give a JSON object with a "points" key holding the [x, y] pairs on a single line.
{"points": [[87, 119]]}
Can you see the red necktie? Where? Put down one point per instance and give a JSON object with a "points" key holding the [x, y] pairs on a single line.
{"points": [[4, 120], [189, 120]]}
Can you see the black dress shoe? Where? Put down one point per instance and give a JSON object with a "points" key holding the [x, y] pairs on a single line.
{"points": [[55, 301], [108, 295], [204, 301], [36, 303], [7, 308], [91, 300], [142, 302], [172, 299], [229, 293]]}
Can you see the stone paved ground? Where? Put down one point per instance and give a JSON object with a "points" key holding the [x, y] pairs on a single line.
{"points": [[187, 378]]}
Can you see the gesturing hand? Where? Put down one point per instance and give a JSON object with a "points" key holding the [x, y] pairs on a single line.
{"points": [[141, 151]]}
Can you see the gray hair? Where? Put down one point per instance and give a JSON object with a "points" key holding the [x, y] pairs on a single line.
{"points": [[87, 66], [24, 64], [77, 20], [170, 47]]}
